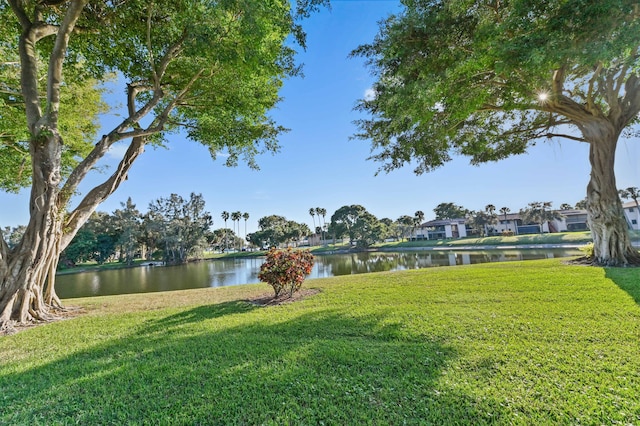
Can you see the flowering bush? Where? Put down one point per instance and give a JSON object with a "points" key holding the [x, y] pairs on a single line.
{"points": [[286, 269]]}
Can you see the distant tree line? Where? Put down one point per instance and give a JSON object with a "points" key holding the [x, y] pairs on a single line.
{"points": [[173, 229], [363, 228], [176, 229]]}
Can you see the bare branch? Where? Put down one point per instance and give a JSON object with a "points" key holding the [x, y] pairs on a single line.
{"points": [[100, 193], [557, 82], [558, 103], [132, 91], [100, 149], [156, 81], [489, 107], [56, 61], [161, 120], [20, 13], [559, 135], [29, 81], [173, 51], [41, 30], [139, 132], [631, 101], [4, 250], [596, 74], [120, 133], [625, 70]]}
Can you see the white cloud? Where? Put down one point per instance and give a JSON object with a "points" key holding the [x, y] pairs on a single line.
{"points": [[369, 94]]}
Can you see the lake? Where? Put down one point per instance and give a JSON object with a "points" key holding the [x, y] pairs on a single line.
{"points": [[225, 272]]}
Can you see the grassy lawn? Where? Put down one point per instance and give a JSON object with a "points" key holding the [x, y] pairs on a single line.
{"points": [[534, 342], [555, 238]]}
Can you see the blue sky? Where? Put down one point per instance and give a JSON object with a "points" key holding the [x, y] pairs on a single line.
{"points": [[319, 166]]}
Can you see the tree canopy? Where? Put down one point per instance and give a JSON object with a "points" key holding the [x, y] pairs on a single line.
{"points": [[490, 79], [212, 70], [355, 222], [450, 211], [277, 230]]}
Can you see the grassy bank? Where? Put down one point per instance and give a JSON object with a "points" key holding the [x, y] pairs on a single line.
{"points": [[563, 238], [533, 342], [572, 238]]}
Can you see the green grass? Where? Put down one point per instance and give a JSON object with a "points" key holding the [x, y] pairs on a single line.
{"points": [[535, 342], [555, 238]]}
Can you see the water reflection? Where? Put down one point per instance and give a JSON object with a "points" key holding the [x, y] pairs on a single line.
{"points": [[225, 272]]}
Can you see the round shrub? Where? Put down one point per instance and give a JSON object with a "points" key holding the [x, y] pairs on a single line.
{"points": [[286, 269]]}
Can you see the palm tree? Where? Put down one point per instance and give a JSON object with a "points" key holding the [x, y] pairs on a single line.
{"points": [[320, 211], [631, 193], [236, 216], [312, 212], [504, 211], [537, 212], [418, 217], [547, 216], [245, 216], [225, 217], [491, 210]]}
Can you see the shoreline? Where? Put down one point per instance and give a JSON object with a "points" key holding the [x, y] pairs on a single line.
{"points": [[322, 252]]}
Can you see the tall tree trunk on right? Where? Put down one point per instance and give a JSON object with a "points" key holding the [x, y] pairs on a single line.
{"points": [[611, 242]]}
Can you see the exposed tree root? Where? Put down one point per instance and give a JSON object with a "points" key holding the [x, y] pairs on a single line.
{"points": [[55, 314], [7, 328], [632, 262]]}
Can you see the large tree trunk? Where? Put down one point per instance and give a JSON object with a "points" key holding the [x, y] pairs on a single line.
{"points": [[27, 273], [27, 291], [611, 242]]}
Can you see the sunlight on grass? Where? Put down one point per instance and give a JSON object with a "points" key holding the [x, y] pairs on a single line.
{"points": [[511, 343]]}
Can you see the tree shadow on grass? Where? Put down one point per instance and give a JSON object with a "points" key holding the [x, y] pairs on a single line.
{"points": [[197, 367], [198, 314], [628, 279]]}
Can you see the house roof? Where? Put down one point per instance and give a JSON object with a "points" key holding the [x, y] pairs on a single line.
{"points": [[629, 205], [573, 212], [510, 216]]}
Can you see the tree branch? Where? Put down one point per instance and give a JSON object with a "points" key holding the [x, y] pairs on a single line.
{"points": [[120, 133], [100, 193], [103, 145], [558, 135], [29, 78], [56, 60], [156, 81], [631, 100], [625, 68], [173, 51], [161, 120], [557, 82], [596, 74], [132, 91], [20, 13], [4, 250]]}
